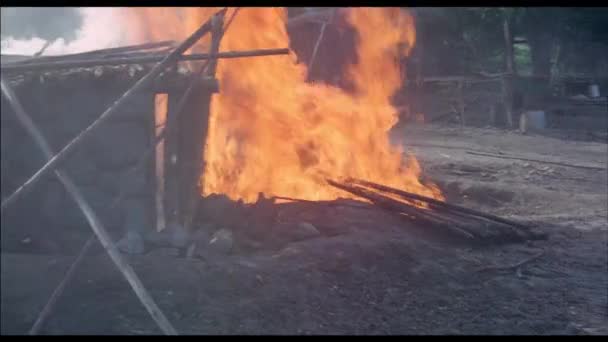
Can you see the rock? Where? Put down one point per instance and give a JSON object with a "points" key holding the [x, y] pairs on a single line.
{"points": [[174, 236], [132, 243], [179, 236], [136, 215], [220, 210], [222, 241], [305, 230]]}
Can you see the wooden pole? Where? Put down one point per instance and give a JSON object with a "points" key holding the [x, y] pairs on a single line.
{"points": [[197, 126], [50, 305], [510, 73], [409, 211], [88, 63], [102, 52], [98, 228], [437, 203], [461, 104], [113, 109], [316, 48]]}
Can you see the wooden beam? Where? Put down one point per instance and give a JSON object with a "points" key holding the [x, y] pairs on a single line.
{"points": [[193, 135], [87, 63], [103, 52]]}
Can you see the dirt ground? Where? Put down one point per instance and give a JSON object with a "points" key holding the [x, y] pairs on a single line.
{"points": [[376, 274]]}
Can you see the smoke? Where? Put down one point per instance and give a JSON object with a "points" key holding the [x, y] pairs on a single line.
{"points": [[101, 28]]}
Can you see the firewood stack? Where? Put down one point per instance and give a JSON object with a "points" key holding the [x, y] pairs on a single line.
{"points": [[472, 225]]}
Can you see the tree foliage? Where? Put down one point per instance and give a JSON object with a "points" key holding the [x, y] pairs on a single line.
{"points": [[461, 40]]}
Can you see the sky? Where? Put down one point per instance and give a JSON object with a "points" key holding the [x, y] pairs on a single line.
{"points": [[88, 37]]}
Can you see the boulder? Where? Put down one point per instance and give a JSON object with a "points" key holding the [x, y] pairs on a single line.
{"points": [[222, 241], [303, 231]]}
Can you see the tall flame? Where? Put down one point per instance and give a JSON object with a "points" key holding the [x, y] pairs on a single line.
{"points": [[272, 132]]}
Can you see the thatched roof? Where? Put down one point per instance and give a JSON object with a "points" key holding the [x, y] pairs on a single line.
{"points": [[96, 70]]}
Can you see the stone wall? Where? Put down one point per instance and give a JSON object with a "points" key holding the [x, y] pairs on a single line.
{"points": [[46, 219]]}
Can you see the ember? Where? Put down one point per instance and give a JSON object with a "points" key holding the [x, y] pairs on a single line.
{"points": [[272, 132]]}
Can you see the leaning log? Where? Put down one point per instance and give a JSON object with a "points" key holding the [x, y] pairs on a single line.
{"points": [[108, 113], [30, 67]]}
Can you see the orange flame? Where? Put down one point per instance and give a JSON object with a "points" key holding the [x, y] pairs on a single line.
{"points": [[272, 132]]}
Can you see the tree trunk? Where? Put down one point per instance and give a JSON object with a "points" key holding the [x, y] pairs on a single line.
{"points": [[540, 52]]}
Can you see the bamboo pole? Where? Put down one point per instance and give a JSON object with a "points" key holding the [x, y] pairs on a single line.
{"points": [[87, 63], [440, 204], [190, 175], [113, 109], [50, 304], [316, 48], [98, 228], [406, 210], [510, 72]]}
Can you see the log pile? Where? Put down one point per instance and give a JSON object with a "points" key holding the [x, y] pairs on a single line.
{"points": [[472, 225]]}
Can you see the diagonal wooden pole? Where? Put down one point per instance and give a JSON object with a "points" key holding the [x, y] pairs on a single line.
{"points": [[50, 304], [113, 109], [42, 317], [98, 228], [319, 39]]}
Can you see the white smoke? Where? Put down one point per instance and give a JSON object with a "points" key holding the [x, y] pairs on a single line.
{"points": [[100, 29]]}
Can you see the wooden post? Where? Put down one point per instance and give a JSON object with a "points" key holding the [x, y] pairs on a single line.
{"points": [[508, 79], [161, 104], [194, 135]]}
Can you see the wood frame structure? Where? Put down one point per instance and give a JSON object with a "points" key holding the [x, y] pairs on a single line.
{"points": [[185, 136]]}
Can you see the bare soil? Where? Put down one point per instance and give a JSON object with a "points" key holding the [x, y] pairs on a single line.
{"points": [[369, 272]]}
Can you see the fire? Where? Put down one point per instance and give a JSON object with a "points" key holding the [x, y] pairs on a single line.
{"points": [[272, 132]]}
